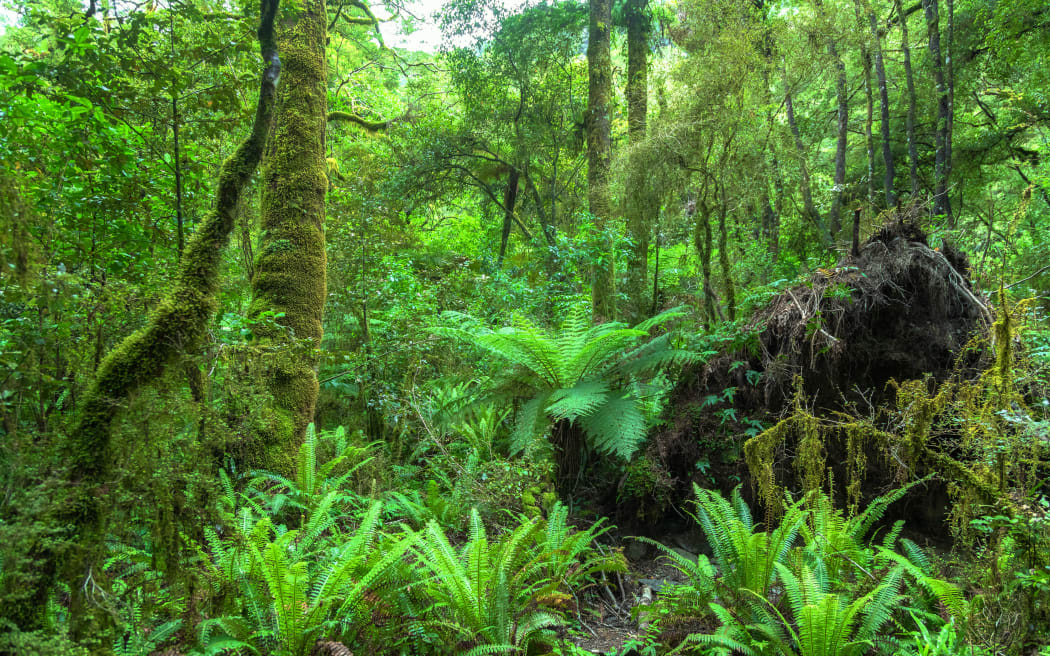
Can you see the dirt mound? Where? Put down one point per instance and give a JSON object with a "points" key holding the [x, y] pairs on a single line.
{"points": [[897, 309]]}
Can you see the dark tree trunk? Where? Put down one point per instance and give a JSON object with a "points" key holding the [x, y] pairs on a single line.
{"points": [[568, 441], [884, 117], [913, 153], [869, 119], [702, 238], [510, 197], [941, 204]]}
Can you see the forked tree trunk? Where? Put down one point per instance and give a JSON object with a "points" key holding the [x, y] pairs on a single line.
{"points": [[175, 327]]}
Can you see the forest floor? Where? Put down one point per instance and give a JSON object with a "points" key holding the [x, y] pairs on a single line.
{"points": [[613, 615]]}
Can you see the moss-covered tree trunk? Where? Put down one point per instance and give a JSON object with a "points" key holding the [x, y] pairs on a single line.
{"points": [[639, 206], [703, 241], [176, 326], [289, 278], [599, 153]]}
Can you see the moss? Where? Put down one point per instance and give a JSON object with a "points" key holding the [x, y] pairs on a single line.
{"points": [[811, 434], [918, 410], [759, 453], [289, 273]]}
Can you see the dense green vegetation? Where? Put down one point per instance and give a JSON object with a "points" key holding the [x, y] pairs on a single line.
{"points": [[635, 327]]}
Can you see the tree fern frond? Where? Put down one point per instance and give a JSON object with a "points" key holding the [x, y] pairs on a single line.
{"points": [[617, 428], [596, 353], [529, 425], [663, 317], [577, 401]]}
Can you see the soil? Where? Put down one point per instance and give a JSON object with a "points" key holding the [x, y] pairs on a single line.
{"points": [[607, 619], [897, 309]]}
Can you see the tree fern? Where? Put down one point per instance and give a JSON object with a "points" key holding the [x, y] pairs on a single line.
{"points": [[582, 375]]}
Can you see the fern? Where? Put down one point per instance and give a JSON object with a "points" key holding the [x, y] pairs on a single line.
{"points": [[293, 586], [489, 593], [836, 594], [314, 480], [746, 557]]}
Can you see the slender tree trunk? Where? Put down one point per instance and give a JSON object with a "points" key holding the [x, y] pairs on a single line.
{"points": [[772, 214], [703, 240], [599, 153], [913, 153], [842, 98], [177, 325], [175, 124], [723, 258], [842, 125], [638, 196], [884, 108], [510, 198], [941, 204], [869, 141], [374, 422], [808, 207], [550, 233], [178, 172], [869, 120], [950, 128], [290, 267]]}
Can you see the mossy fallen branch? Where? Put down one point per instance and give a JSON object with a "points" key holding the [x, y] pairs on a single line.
{"points": [[370, 126], [175, 326]]}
